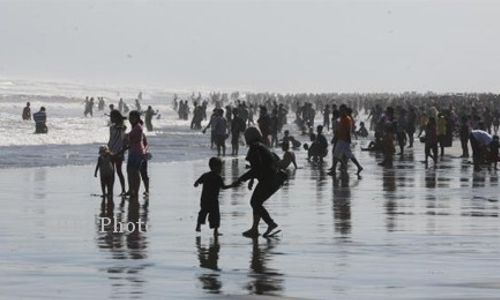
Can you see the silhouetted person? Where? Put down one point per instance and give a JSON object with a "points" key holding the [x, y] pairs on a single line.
{"points": [[263, 167], [40, 119], [148, 117], [27, 112], [136, 153], [106, 171], [431, 142], [209, 203], [116, 144]]}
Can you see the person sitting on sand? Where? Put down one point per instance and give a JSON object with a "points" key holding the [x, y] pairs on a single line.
{"points": [[264, 168], [106, 171], [362, 131], [209, 203], [27, 112], [40, 121], [287, 138], [288, 157]]}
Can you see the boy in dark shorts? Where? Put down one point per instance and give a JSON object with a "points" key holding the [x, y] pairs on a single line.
{"points": [[212, 183]]}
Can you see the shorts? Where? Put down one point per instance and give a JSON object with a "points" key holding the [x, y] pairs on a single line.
{"points": [[342, 150]]}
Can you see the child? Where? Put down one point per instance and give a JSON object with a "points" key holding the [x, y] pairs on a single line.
{"points": [[212, 183], [106, 171], [362, 131], [494, 151]]}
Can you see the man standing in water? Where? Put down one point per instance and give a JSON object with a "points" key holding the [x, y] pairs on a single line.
{"points": [[149, 114], [27, 112], [40, 121]]}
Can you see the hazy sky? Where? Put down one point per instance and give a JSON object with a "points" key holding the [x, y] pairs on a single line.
{"points": [[256, 45]]}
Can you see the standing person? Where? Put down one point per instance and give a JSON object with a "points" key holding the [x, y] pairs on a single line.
{"points": [[116, 143], [410, 125], [40, 119], [431, 142], [441, 131], [274, 128], [400, 131], [144, 166], [237, 127], [27, 112], [209, 203], [106, 171], [136, 151], [263, 167], [464, 136], [149, 114], [264, 123], [326, 117], [220, 132], [211, 124]]}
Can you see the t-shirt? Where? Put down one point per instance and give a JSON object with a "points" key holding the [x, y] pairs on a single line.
{"points": [[136, 140], [212, 183], [116, 138], [40, 117], [263, 164], [220, 126]]}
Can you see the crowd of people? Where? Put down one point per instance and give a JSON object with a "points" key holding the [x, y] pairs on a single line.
{"points": [[394, 123]]}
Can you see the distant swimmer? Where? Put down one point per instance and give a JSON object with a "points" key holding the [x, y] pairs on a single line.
{"points": [[27, 112], [40, 121]]}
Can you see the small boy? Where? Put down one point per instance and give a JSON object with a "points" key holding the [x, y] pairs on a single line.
{"points": [[212, 183], [106, 171], [494, 145]]}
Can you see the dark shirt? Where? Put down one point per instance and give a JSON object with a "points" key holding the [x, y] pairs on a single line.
{"points": [[263, 164], [212, 183]]}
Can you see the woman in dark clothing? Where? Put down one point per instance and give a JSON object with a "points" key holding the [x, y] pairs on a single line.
{"points": [[264, 168]]}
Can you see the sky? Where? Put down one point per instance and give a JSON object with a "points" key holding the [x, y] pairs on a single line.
{"points": [[276, 46]]}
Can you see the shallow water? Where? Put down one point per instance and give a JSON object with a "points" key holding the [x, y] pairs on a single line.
{"points": [[402, 233]]}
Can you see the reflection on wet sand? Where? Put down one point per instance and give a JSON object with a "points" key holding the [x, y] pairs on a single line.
{"points": [[126, 277], [263, 279], [209, 259], [342, 204]]}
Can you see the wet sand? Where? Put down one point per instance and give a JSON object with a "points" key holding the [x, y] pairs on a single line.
{"points": [[402, 233]]}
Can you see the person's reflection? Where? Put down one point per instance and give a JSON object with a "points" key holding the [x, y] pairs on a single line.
{"points": [[136, 241], [318, 175], [123, 243], [263, 280], [389, 187], [342, 204], [235, 173], [430, 179], [209, 258]]}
